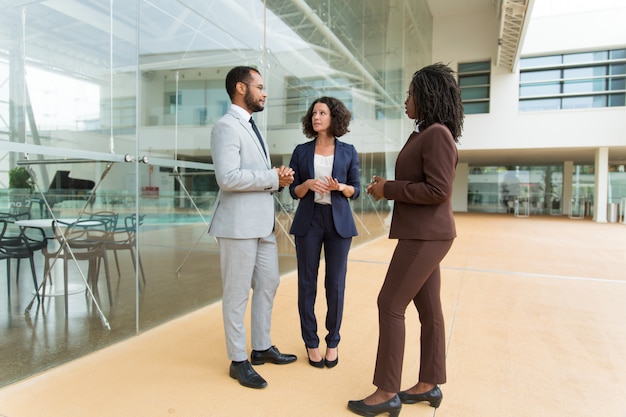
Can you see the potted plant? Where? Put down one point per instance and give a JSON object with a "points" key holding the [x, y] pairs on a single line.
{"points": [[20, 190]]}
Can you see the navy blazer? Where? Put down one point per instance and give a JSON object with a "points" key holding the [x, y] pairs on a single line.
{"points": [[345, 169]]}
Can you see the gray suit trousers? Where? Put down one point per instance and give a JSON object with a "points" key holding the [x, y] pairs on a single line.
{"points": [[248, 264]]}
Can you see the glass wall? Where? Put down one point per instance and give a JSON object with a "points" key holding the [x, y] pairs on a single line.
{"points": [[106, 111], [540, 189], [503, 189]]}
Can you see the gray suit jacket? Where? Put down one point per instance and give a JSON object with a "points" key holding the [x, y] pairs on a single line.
{"points": [[245, 206]]}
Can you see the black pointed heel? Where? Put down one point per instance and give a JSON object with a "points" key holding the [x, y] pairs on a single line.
{"points": [[318, 364], [333, 363], [392, 406], [434, 397]]}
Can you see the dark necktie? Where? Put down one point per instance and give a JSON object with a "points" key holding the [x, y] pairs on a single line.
{"points": [[258, 134]]}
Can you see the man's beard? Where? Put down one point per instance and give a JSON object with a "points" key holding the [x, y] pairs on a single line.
{"points": [[252, 104]]}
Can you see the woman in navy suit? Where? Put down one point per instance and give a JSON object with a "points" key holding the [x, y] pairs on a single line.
{"points": [[326, 177]]}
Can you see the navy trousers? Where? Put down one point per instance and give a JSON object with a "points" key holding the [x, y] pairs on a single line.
{"points": [[308, 252]]}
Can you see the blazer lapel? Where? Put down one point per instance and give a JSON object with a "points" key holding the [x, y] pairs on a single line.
{"points": [[336, 157], [310, 158], [248, 127]]}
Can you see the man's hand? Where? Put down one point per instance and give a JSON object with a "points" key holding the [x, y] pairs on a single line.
{"points": [[285, 176]]}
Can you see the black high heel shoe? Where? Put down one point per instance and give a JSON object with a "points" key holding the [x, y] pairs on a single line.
{"points": [[318, 364], [333, 363], [434, 397], [392, 406]]}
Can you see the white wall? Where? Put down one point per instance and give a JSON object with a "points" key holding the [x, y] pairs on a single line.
{"points": [[570, 25]]}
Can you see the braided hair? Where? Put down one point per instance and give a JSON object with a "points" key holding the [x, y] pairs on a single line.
{"points": [[437, 98]]}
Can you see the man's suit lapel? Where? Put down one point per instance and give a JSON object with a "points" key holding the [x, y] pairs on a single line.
{"points": [[248, 127]]}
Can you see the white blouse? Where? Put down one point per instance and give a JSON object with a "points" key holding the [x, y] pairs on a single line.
{"points": [[323, 166]]}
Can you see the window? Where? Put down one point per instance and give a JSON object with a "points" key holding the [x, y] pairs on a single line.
{"points": [[302, 92], [573, 81], [474, 79]]}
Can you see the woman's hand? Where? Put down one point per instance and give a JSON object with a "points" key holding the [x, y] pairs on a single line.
{"points": [[318, 186], [334, 184], [377, 187]]}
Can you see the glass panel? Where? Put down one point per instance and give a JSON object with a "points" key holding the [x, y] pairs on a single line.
{"points": [[542, 89], [467, 81], [583, 188], [540, 104], [500, 189], [617, 69], [617, 100], [617, 185], [541, 61], [584, 102], [122, 97], [70, 121], [483, 190], [617, 54], [476, 108], [475, 93], [534, 76], [585, 57], [617, 84], [474, 66], [584, 86]]}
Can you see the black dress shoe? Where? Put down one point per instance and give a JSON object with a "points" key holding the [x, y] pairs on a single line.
{"points": [[271, 355], [392, 406], [246, 375], [434, 397]]}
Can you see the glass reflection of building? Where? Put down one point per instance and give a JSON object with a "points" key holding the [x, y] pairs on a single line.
{"points": [[109, 106]]}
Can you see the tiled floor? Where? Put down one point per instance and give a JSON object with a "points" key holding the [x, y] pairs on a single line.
{"points": [[535, 313]]}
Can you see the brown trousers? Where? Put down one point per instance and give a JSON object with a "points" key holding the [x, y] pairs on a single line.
{"points": [[413, 275]]}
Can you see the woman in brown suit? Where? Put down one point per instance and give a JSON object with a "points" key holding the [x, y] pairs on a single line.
{"points": [[424, 226]]}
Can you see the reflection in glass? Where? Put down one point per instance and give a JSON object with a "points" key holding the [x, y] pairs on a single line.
{"points": [[131, 89]]}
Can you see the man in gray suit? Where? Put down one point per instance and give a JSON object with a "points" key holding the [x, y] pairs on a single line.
{"points": [[243, 223]]}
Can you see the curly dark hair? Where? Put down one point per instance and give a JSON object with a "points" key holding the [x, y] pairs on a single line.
{"points": [[339, 118], [238, 74], [437, 98]]}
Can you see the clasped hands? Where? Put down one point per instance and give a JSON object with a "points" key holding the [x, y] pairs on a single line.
{"points": [[321, 186], [285, 175], [377, 187]]}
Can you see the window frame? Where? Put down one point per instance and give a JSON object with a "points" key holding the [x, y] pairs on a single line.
{"points": [[479, 103], [590, 96]]}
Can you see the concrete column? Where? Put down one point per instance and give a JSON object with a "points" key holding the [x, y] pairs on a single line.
{"points": [[459, 194], [601, 185]]}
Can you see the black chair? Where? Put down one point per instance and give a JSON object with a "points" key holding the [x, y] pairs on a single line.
{"points": [[20, 243], [13, 231]]}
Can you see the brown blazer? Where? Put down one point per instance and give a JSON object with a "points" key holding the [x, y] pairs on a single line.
{"points": [[422, 189]]}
